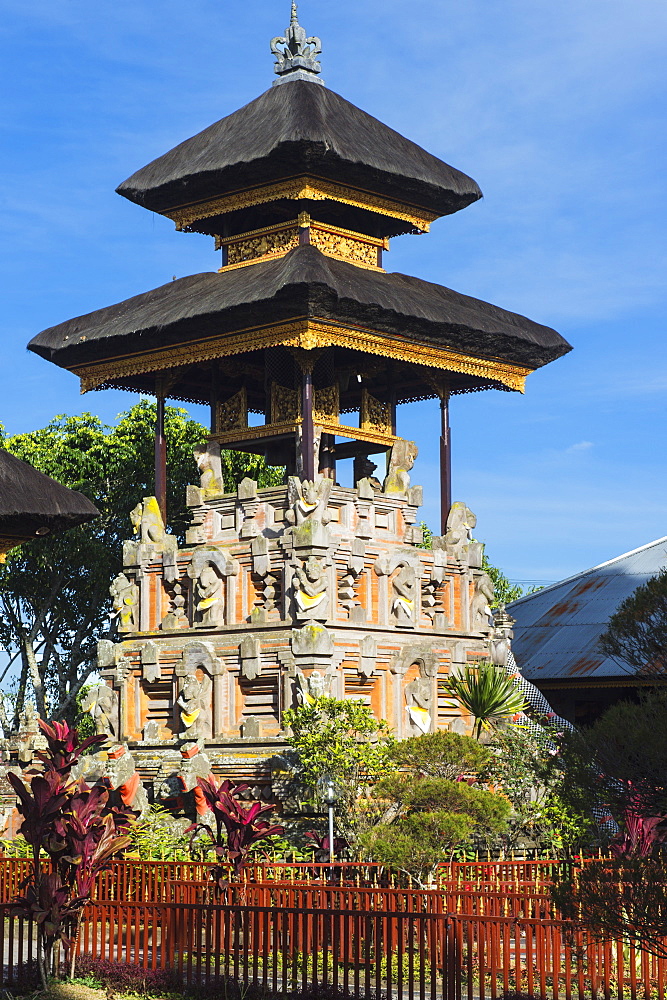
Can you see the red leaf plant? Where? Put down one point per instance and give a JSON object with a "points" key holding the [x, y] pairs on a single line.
{"points": [[75, 826], [640, 835], [237, 829], [320, 845]]}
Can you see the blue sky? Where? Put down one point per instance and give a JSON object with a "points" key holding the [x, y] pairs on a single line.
{"points": [[557, 110]]}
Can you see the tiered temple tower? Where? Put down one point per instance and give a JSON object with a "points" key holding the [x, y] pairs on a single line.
{"points": [[303, 345]]}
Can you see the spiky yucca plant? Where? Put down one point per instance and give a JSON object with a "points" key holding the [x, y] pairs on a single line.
{"points": [[487, 693]]}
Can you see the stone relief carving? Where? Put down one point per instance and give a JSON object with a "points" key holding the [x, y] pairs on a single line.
{"points": [[207, 457], [247, 508], [347, 595], [367, 656], [101, 704], [194, 701], [419, 701], [403, 457], [480, 608], [116, 770], [177, 616], [419, 653], [147, 522], [250, 655], [460, 525], [500, 641], [194, 764], [310, 590], [310, 689], [152, 538], [125, 596], [208, 569], [150, 662], [404, 595], [308, 500]]}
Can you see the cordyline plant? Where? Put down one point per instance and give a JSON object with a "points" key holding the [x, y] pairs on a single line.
{"points": [[487, 693], [77, 829], [237, 829]]}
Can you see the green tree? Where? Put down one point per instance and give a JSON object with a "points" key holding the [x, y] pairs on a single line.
{"points": [[426, 818], [637, 631], [486, 692], [54, 591], [526, 767], [344, 741], [439, 755], [621, 760]]}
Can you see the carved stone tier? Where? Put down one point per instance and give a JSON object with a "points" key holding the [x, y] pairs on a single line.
{"points": [[279, 596]]}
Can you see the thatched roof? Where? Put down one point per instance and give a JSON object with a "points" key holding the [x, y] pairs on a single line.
{"points": [[30, 501], [305, 283], [294, 130]]}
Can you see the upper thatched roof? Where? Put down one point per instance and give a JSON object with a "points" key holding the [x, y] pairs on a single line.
{"points": [[304, 283], [29, 500], [299, 129]]}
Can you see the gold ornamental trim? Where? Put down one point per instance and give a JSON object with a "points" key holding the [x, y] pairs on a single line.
{"points": [[283, 428], [273, 242], [301, 189], [303, 221], [308, 334]]}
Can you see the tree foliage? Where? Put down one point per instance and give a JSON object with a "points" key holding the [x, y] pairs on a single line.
{"points": [[439, 755], [637, 631], [54, 591], [526, 767], [426, 818], [344, 741], [618, 900], [620, 761]]}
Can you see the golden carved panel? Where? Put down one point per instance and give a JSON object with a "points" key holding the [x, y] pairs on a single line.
{"points": [[285, 404], [260, 247], [346, 248], [291, 427], [375, 415], [300, 189], [307, 334], [326, 405], [233, 413]]}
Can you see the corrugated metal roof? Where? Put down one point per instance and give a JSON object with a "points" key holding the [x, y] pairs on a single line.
{"points": [[557, 629]]}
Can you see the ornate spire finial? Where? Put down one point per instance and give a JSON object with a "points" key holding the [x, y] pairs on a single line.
{"points": [[296, 54]]}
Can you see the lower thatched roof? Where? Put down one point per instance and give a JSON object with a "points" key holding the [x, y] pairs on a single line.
{"points": [[305, 283], [30, 501]]}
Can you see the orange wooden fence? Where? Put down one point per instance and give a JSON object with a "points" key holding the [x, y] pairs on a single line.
{"points": [[375, 953]]}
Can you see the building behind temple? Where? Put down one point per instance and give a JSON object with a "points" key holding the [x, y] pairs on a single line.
{"points": [[304, 346]]}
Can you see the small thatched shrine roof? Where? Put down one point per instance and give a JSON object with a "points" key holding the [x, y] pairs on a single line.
{"points": [[297, 130], [34, 504], [221, 308]]}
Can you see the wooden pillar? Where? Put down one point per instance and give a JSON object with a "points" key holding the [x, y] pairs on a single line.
{"points": [[307, 425], [214, 398], [328, 456], [160, 456], [445, 462]]}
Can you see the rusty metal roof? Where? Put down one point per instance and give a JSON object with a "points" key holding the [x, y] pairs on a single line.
{"points": [[557, 629]]}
